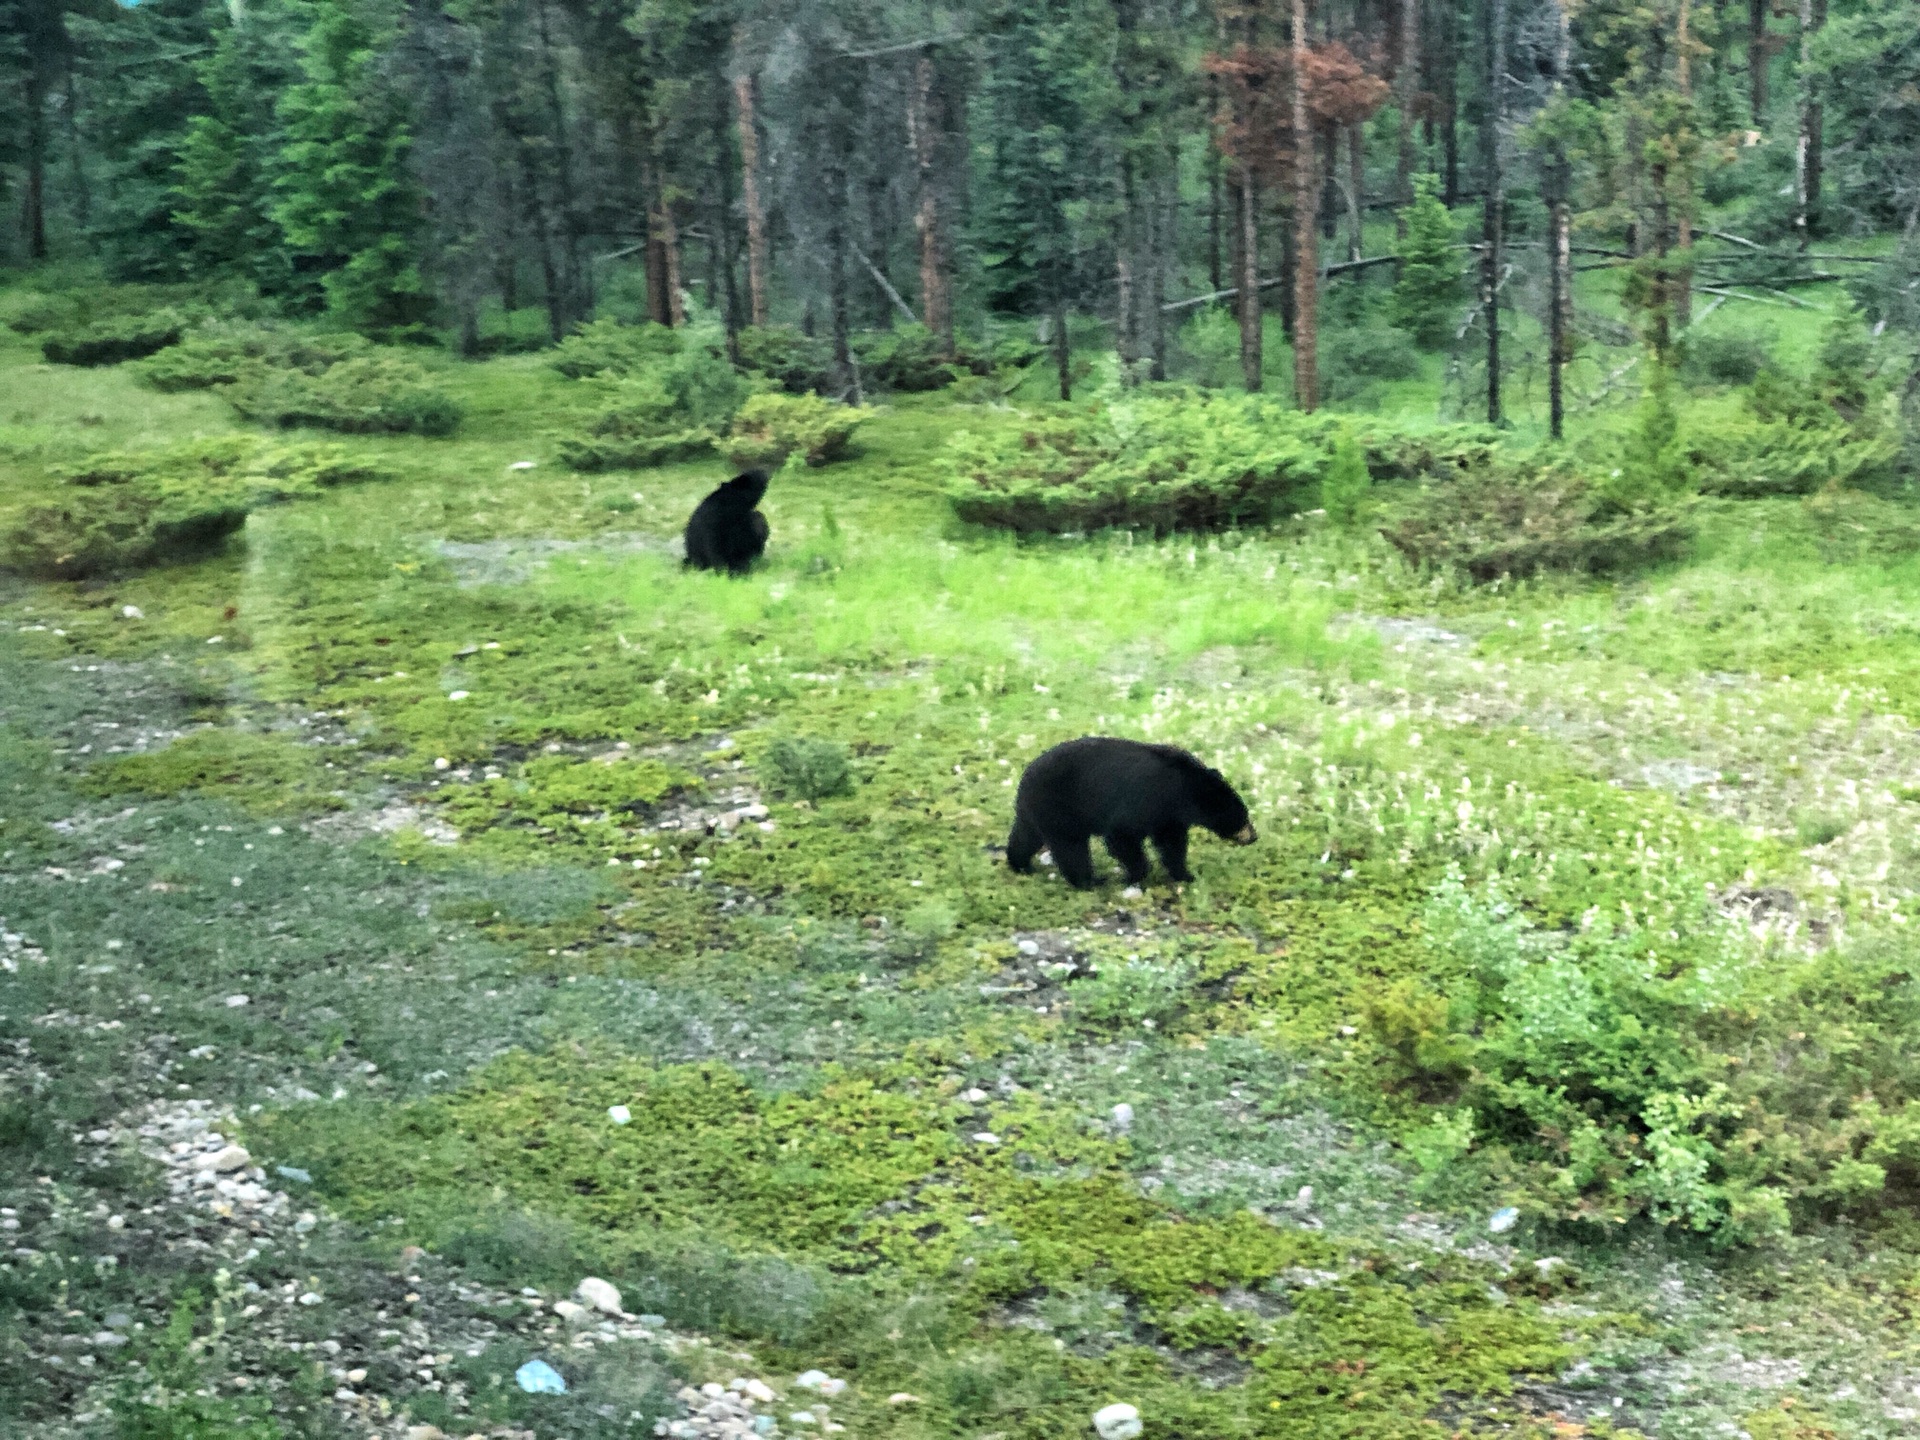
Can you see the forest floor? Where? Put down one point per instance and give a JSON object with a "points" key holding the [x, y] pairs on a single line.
{"points": [[448, 832]]}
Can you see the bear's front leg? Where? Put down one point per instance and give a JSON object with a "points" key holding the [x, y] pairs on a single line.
{"points": [[1172, 845], [1131, 854]]}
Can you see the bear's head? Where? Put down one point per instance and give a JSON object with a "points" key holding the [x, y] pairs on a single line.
{"points": [[746, 490], [1222, 810]]}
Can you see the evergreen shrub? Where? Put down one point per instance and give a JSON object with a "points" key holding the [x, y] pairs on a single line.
{"points": [[365, 394], [126, 510], [1171, 461], [118, 338], [227, 353], [661, 394], [769, 428]]}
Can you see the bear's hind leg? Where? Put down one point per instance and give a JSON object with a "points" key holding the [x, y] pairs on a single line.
{"points": [[1130, 853], [1075, 860], [1172, 845], [1023, 844]]}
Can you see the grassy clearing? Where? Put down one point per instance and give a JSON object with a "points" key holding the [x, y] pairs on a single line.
{"points": [[465, 801]]}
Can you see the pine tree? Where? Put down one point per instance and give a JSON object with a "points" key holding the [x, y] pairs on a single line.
{"points": [[346, 200], [1427, 296]]}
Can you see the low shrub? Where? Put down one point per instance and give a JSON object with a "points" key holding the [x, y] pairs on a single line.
{"points": [[365, 394], [1355, 359], [225, 354], [1520, 520], [1745, 458], [663, 395], [1726, 356], [607, 347], [799, 364], [806, 768], [126, 510], [264, 774], [29, 312], [909, 358], [1171, 461], [769, 428], [118, 338]]}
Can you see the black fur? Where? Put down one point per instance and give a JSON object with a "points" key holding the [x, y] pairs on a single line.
{"points": [[1127, 793], [725, 531]]}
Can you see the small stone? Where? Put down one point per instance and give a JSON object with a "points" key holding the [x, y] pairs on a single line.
{"points": [[985, 1137], [1304, 1200], [1028, 947], [1503, 1220], [441, 762], [619, 1114], [222, 1162], [713, 1390], [521, 465], [234, 1002], [305, 1222], [601, 1295], [458, 694], [132, 612], [975, 1096], [1132, 892], [801, 1417], [655, 1321], [309, 1298], [425, 1432], [759, 1390], [1123, 1117], [810, 1379], [1117, 1422], [355, 1376], [902, 1397], [569, 1311], [107, 1340]]}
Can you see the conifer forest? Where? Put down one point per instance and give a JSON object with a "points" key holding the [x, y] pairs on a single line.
{"points": [[579, 580]]}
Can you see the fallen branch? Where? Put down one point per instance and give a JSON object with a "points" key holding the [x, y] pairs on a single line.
{"points": [[1268, 284], [882, 281], [1736, 295]]}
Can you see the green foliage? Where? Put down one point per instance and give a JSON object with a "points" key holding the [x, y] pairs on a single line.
{"points": [[1346, 485], [125, 510], [228, 353], [795, 362], [1132, 994], [662, 394], [263, 774], [172, 1392], [768, 429], [607, 347], [1210, 345], [585, 799], [1518, 520], [110, 341], [1655, 466], [347, 201], [908, 358], [1428, 294], [1355, 359], [1725, 355], [371, 393], [811, 769], [1176, 462]]}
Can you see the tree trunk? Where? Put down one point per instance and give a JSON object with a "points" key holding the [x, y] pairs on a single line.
{"points": [[1306, 273], [1560, 266], [1247, 252], [722, 222], [76, 167], [1214, 281], [1062, 341], [748, 121], [574, 284], [1161, 256], [1407, 78], [1356, 189], [836, 179], [1125, 250], [1493, 16], [1329, 158], [1449, 102], [1806, 155], [936, 293], [1682, 271], [33, 214], [1759, 60]]}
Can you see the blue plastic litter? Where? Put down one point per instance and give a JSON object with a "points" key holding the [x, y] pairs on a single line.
{"points": [[1503, 1220], [293, 1172], [763, 1424], [656, 1321], [537, 1377]]}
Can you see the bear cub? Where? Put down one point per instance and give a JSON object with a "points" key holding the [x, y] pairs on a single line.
{"points": [[1127, 793], [725, 531]]}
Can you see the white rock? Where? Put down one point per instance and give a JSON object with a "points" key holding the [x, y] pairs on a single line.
{"points": [[601, 1295], [1132, 892], [810, 1379], [759, 1390], [309, 1298], [441, 762], [521, 465], [570, 1311], [975, 1096], [1304, 1200], [220, 1162], [132, 612], [985, 1137], [234, 1002], [1123, 1117], [425, 1432], [801, 1417], [1029, 947], [902, 1397], [458, 694], [619, 1114], [1117, 1422]]}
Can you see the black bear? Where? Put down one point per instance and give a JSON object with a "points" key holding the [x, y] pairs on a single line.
{"points": [[1127, 793], [725, 531]]}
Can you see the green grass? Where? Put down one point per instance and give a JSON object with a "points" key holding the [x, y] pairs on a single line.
{"points": [[520, 945]]}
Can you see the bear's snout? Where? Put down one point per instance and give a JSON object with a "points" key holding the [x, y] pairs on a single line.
{"points": [[1245, 835]]}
